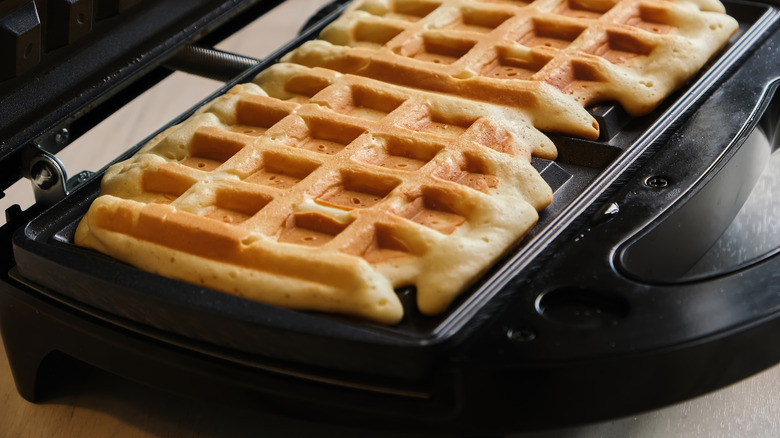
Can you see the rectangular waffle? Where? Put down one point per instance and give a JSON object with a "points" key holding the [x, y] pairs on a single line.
{"points": [[635, 52], [314, 190]]}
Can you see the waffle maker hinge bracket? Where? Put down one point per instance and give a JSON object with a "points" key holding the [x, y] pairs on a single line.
{"points": [[49, 178]]}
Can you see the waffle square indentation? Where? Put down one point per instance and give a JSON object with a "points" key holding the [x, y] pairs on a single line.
{"points": [[234, 205], [376, 33], [281, 171], [434, 122], [651, 18], [514, 64], [310, 229], [410, 10], [471, 172], [255, 114], [209, 148], [549, 33], [574, 72], [306, 85], [480, 20], [358, 190], [365, 103], [437, 48], [618, 47], [166, 182], [591, 9], [386, 244], [520, 3], [435, 209], [327, 136], [397, 153]]}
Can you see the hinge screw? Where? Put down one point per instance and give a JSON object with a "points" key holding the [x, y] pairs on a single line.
{"points": [[521, 335], [62, 137], [43, 175], [656, 182]]}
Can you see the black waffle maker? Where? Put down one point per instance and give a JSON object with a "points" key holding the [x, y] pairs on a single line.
{"points": [[606, 309]]}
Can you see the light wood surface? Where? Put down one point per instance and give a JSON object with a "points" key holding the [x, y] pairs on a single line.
{"points": [[96, 404]]}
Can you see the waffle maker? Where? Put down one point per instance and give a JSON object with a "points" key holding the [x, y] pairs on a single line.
{"points": [[613, 304]]}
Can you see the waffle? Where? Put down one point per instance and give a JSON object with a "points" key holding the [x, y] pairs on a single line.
{"points": [[314, 190], [634, 52]]}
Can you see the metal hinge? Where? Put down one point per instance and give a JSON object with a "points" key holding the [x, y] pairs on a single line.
{"points": [[49, 179]]}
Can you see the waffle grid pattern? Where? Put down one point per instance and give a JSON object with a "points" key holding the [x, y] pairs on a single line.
{"points": [[334, 190], [634, 52], [394, 152]]}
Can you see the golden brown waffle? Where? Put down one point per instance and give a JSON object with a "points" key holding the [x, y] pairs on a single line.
{"points": [[320, 191], [635, 52]]}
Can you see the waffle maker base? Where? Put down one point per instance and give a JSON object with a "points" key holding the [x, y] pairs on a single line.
{"points": [[587, 319]]}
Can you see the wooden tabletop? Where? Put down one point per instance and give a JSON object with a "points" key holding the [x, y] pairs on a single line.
{"points": [[95, 404]]}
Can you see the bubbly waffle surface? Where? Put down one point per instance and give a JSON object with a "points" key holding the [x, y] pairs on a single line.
{"points": [[634, 52], [393, 152], [315, 190]]}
